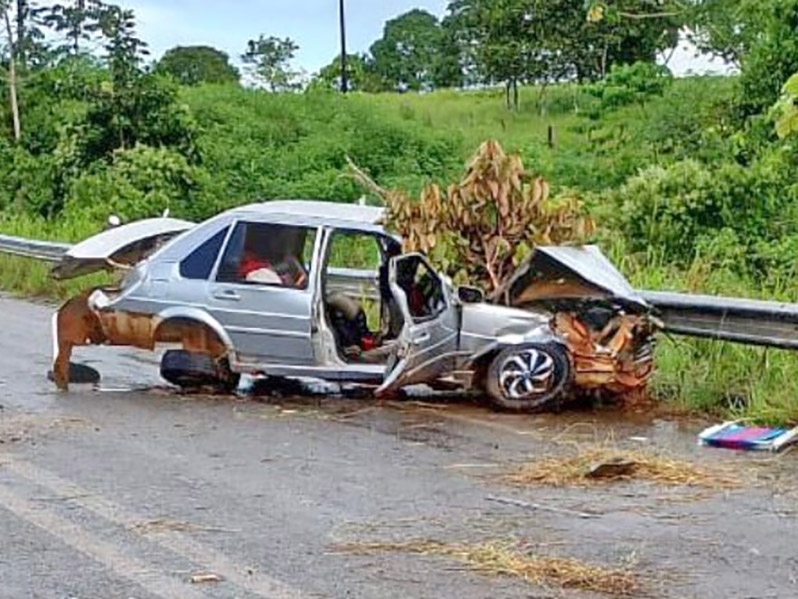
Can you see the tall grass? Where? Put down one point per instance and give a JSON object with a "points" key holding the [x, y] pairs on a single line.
{"points": [[716, 377], [31, 278]]}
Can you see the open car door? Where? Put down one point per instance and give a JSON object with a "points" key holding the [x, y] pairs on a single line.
{"points": [[429, 339]]}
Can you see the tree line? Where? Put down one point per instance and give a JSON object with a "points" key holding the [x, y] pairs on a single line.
{"points": [[476, 43], [518, 42]]}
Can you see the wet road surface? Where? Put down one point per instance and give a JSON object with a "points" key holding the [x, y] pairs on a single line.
{"points": [[129, 490]]}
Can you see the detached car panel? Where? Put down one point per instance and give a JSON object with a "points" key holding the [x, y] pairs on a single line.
{"points": [[254, 290]]}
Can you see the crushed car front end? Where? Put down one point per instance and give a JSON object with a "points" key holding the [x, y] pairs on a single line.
{"points": [[606, 325]]}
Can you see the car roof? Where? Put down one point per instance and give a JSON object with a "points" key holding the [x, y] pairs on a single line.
{"points": [[315, 210]]}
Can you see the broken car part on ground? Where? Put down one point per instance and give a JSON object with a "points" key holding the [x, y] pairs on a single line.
{"points": [[258, 290]]}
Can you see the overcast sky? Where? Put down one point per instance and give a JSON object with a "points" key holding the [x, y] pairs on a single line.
{"points": [[313, 24]]}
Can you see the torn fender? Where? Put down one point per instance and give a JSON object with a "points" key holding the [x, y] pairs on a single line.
{"points": [[81, 321]]}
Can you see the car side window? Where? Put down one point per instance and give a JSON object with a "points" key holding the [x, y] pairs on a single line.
{"points": [[422, 286], [268, 254], [354, 250], [199, 263]]}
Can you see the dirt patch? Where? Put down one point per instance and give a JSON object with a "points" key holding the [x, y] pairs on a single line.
{"points": [[503, 559], [598, 465], [18, 428]]}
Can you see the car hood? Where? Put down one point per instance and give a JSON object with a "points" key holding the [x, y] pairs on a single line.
{"points": [[563, 272], [124, 245]]}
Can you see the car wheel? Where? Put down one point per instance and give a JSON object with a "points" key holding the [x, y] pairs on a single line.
{"points": [[528, 377], [189, 370]]}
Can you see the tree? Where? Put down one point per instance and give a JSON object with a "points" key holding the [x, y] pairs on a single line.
{"points": [[124, 51], [479, 229], [450, 69], [629, 31], [726, 28], [627, 84], [360, 74], [12, 44], [785, 111], [192, 65], [409, 50], [772, 58], [78, 21], [137, 107], [269, 60], [510, 41]]}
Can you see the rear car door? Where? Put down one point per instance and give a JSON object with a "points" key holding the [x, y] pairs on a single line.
{"points": [[261, 293], [428, 343]]}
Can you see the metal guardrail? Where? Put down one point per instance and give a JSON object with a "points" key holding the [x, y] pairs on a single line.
{"points": [[49, 251], [731, 319], [751, 322]]}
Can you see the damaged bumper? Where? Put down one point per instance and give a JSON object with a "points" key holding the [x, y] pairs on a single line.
{"points": [[607, 326]]}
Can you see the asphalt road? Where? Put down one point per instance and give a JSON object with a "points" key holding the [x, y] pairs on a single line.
{"points": [[129, 490]]}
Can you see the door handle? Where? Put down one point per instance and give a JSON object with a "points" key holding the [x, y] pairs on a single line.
{"points": [[227, 294], [421, 338]]}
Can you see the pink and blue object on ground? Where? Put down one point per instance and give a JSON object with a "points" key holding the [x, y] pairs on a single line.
{"points": [[732, 435]]}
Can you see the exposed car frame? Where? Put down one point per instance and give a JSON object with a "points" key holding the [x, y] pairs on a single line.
{"points": [[523, 357]]}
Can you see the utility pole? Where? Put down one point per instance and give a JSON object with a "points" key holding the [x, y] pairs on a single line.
{"points": [[344, 74]]}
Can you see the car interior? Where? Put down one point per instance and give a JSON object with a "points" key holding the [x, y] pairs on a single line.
{"points": [[365, 322], [268, 254], [365, 325], [358, 339]]}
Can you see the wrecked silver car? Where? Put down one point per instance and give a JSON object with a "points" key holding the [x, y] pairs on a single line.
{"points": [[267, 290]]}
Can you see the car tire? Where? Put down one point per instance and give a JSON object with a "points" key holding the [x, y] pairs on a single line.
{"points": [[189, 370], [528, 377]]}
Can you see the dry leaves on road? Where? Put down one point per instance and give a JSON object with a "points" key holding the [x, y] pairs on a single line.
{"points": [[501, 558], [579, 468]]}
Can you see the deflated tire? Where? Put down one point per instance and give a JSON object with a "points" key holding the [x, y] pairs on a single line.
{"points": [[193, 370]]}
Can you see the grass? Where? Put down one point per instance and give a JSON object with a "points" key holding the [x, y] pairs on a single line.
{"points": [[25, 277], [660, 468], [499, 558], [724, 380]]}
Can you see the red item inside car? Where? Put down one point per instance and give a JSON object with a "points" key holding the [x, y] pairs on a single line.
{"points": [[367, 342]]}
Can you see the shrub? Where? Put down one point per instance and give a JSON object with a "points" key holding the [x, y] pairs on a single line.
{"points": [[139, 183], [689, 208]]}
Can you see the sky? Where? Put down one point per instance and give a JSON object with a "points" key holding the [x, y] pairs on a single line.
{"points": [[313, 24]]}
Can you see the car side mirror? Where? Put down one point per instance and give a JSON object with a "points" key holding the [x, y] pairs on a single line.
{"points": [[470, 295]]}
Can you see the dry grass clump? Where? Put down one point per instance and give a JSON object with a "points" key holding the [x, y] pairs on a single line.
{"points": [[575, 470], [498, 558]]}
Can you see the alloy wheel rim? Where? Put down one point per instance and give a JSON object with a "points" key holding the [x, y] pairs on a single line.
{"points": [[527, 374]]}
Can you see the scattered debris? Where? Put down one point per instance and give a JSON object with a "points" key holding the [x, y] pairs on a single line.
{"points": [[161, 525], [205, 578], [615, 464], [22, 427], [502, 559], [614, 468], [541, 507], [733, 435]]}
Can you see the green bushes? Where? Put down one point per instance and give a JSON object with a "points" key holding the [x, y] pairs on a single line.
{"points": [[267, 146], [727, 213], [138, 183]]}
